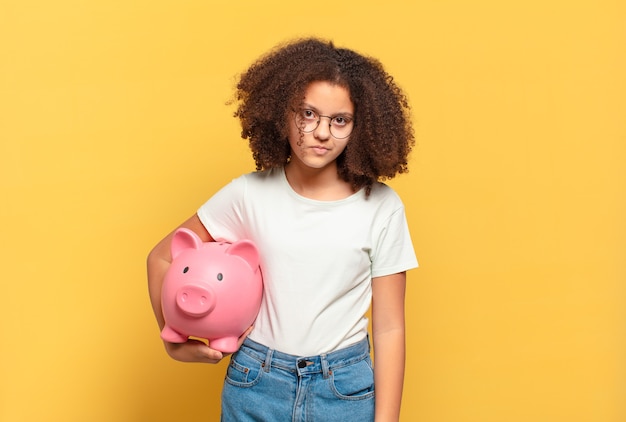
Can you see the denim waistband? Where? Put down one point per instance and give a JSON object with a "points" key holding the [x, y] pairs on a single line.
{"points": [[303, 365]]}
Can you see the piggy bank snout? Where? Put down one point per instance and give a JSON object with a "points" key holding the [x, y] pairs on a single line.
{"points": [[195, 300]]}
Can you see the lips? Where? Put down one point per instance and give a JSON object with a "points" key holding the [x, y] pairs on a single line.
{"points": [[319, 149]]}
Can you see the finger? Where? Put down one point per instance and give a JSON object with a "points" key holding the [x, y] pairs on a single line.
{"points": [[212, 355]]}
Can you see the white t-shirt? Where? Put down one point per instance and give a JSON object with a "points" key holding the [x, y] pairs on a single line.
{"points": [[317, 257]]}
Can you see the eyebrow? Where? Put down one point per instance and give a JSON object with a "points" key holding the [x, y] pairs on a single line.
{"points": [[315, 109]]}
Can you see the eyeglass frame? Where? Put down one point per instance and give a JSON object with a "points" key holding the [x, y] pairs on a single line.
{"points": [[319, 120]]}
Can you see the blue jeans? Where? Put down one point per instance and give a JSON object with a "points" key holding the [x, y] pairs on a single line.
{"points": [[266, 385]]}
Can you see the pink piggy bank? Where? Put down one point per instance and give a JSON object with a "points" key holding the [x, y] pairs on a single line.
{"points": [[212, 290]]}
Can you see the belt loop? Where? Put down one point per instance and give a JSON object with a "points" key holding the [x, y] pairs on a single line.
{"points": [[268, 360], [325, 368]]}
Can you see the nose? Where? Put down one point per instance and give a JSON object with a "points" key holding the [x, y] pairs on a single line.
{"points": [[195, 301], [322, 131]]}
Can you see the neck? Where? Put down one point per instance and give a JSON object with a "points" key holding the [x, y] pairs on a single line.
{"points": [[319, 184]]}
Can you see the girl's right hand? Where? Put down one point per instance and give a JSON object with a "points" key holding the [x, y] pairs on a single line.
{"points": [[193, 351], [198, 351]]}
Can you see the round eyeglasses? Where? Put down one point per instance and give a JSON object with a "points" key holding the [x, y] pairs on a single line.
{"points": [[308, 120]]}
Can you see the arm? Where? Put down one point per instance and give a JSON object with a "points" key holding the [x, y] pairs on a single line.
{"points": [[389, 344], [159, 261]]}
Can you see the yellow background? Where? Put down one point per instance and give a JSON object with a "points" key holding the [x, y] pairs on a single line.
{"points": [[114, 128]]}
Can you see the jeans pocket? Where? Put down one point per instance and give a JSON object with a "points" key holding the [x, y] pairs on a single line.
{"points": [[353, 382], [243, 370]]}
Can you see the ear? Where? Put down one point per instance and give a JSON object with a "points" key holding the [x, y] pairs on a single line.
{"points": [[184, 239], [246, 250]]}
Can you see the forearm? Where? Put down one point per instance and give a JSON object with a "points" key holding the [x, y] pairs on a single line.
{"points": [[389, 356], [157, 267], [388, 332], [159, 261]]}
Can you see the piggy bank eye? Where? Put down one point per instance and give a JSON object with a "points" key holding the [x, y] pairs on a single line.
{"points": [[220, 277], [185, 270]]}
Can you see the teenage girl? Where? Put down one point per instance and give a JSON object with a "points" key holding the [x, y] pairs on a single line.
{"points": [[325, 125]]}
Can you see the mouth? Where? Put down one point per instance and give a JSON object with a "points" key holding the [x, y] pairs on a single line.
{"points": [[319, 150]]}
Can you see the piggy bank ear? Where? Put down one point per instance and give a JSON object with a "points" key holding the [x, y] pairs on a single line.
{"points": [[184, 239], [246, 250]]}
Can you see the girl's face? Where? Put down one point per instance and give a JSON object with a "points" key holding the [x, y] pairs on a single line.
{"points": [[318, 148]]}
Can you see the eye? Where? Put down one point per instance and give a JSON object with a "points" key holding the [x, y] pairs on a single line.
{"points": [[308, 114], [220, 277], [340, 121], [185, 270]]}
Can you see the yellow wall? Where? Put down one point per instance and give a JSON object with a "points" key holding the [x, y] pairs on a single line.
{"points": [[113, 129]]}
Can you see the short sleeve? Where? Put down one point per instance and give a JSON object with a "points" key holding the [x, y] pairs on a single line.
{"points": [[393, 251], [222, 214]]}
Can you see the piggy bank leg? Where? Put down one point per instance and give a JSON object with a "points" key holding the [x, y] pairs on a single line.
{"points": [[169, 335], [224, 344]]}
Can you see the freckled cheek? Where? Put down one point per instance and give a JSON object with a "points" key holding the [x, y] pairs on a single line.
{"points": [[296, 139]]}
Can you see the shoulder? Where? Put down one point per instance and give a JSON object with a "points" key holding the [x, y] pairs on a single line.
{"points": [[262, 179], [259, 184], [383, 193], [263, 175]]}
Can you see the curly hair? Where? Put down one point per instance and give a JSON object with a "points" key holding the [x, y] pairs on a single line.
{"points": [[276, 83]]}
